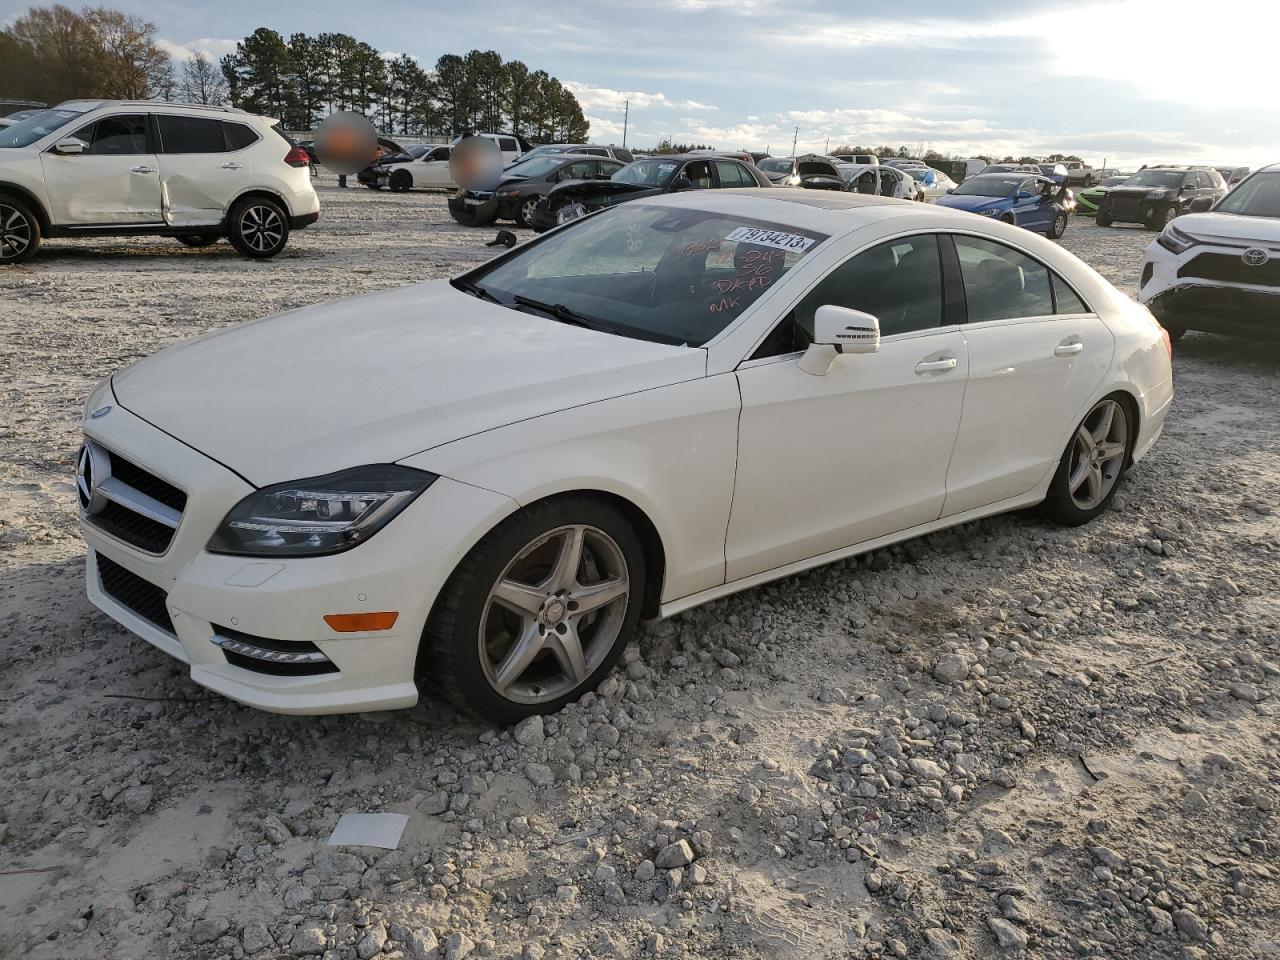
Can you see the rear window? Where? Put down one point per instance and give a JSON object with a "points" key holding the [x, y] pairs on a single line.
{"points": [[180, 134], [508, 145], [238, 135]]}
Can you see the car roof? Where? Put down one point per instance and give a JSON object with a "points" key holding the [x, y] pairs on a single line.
{"points": [[87, 105], [825, 211]]}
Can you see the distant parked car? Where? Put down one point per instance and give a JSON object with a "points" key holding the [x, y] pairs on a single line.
{"points": [[1009, 168], [1057, 172], [1220, 271], [879, 180], [196, 173], [1153, 197], [430, 170], [524, 185], [817, 172], [934, 184], [781, 171], [1087, 200], [511, 147], [646, 177], [1232, 175], [1032, 202], [862, 159], [582, 149]]}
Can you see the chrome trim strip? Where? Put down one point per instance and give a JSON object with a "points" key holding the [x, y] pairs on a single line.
{"points": [[272, 656], [139, 502]]}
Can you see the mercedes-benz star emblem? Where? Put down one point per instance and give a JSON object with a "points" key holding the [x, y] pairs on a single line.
{"points": [[100, 412], [1255, 257], [89, 477]]}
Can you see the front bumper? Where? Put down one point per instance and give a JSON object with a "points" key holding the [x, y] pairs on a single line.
{"points": [[1187, 290], [185, 601]]}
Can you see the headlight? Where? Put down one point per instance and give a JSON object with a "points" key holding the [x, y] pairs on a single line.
{"points": [[320, 515], [1175, 241], [508, 193], [989, 212], [1158, 194]]}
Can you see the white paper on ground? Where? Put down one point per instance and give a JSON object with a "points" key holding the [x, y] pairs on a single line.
{"points": [[369, 830]]}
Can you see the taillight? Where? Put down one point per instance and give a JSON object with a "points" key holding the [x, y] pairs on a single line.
{"points": [[297, 157]]}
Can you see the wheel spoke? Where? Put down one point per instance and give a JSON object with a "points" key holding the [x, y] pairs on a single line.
{"points": [[519, 597], [597, 595], [1095, 484], [567, 649], [522, 653], [1085, 439], [1109, 451], [1078, 478], [564, 575], [1103, 429]]}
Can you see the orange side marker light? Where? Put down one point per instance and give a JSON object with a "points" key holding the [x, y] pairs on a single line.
{"points": [[361, 622]]}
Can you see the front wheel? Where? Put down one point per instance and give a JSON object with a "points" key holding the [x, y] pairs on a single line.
{"points": [[19, 231], [258, 227], [1163, 218], [1059, 225], [1089, 472], [401, 181], [1101, 219], [538, 612], [524, 215]]}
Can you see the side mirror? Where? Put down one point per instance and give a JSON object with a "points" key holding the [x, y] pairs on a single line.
{"points": [[681, 183], [70, 146], [951, 189], [839, 331]]}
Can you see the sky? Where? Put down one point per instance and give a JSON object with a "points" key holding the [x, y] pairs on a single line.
{"points": [[1122, 81]]}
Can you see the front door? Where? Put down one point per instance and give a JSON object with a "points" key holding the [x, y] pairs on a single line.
{"points": [[1036, 357], [862, 452], [115, 181]]}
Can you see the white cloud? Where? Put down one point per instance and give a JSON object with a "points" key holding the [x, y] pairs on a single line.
{"points": [[212, 47], [602, 98], [695, 105]]}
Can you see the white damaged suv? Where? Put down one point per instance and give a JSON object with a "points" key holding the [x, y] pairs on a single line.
{"points": [[112, 167]]}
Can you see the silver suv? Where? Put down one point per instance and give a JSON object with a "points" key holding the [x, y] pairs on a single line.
{"points": [[112, 167]]}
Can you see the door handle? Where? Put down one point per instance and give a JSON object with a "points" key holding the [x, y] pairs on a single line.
{"points": [[232, 165], [937, 366], [1068, 349], [142, 169]]}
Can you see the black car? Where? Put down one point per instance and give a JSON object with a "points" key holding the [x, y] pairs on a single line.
{"points": [[1156, 195], [525, 184], [644, 178]]}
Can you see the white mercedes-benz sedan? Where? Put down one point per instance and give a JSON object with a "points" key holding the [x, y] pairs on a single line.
{"points": [[484, 483]]}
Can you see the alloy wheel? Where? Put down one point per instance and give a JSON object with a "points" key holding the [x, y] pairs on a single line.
{"points": [[15, 232], [262, 228], [1097, 454], [554, 614], [527, 208]]}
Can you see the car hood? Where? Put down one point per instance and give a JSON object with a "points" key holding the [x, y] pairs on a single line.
{"points": [[970, 201], [601, 191], [1231, 226], [379, 377]]}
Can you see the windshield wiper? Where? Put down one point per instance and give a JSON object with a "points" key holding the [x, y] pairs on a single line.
{"points": [[562, 313], [477, 291]]}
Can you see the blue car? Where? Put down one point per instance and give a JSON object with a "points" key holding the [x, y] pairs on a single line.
{"points": [[1033, 202]]}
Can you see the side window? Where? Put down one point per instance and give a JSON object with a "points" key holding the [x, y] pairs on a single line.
{"points": [[1000, 283], [732, 174], [122, 135], [581, 170], [899, 281], [699, 174], [1027, 186], [238, 136], [1065, 300], [190, 134], [623, 155], [508, 145], [596, 151], [608, 168], [439, 153]]}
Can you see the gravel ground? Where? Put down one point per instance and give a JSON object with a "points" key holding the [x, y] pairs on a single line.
{"points": [[1004, 739]]}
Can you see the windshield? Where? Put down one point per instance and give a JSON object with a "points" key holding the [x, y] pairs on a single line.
{"points": [[988, 187], [1113, 181], [776, 164], [661, 273], [1259, 196], [28, 131], [998, 168], [815, 168], [1156, 178], [648, 173]]}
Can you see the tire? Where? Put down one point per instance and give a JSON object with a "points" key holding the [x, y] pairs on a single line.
{"points": [[258, 227], [1164, 218], [401, 181], [19, 231], [1059, 225], [1101, 219], [197, 240], [470, 647], [1008, 218], [373, 186], [524, 212], [1093, 463], [469, 216], [1176, 331]]}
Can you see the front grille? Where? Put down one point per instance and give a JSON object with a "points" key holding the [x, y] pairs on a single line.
{"points": [[139, 595], [127, 501], [1230, 268], [1122, 208], [277, 658]]}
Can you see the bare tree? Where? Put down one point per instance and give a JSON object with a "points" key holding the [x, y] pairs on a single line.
{"points": [[202, 82]]}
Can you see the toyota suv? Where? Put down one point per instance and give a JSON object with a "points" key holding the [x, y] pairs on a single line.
{"points": [[112, 167], [1220, 271]]}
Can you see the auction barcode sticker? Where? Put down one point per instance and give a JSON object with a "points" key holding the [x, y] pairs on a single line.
{"points": [[771, 238]]}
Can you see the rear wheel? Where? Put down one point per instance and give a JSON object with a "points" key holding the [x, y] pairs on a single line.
{"points": [[538, 612], [524, 215], [1059, 225], [1089, 472], [258, 227], [19, 231]]}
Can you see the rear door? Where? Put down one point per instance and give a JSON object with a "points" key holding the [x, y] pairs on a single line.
{"points": [[1036, 355], [114, 182], [200, 173]]}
